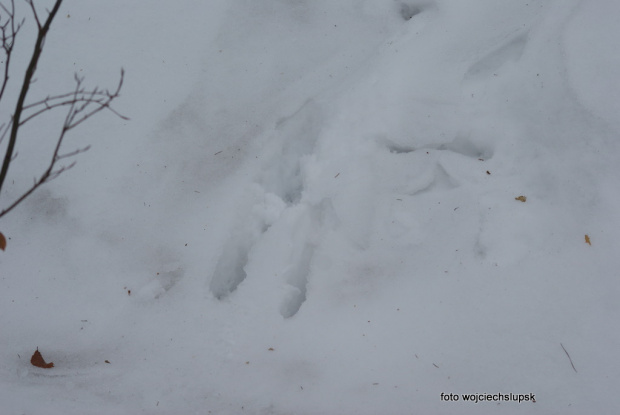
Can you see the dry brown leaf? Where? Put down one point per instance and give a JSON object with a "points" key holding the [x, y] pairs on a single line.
{"points": [[2, 242], [588, 240], [37, 360], [521, 198]]}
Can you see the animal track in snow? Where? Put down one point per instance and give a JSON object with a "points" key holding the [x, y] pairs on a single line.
{"points": [[439, 180], [160, 284], [467, 147], [296, 276], [410, 9], [297, 135], [436, 167], [280, 186], [230, 268], [312, 221], [229, 271], [399, 149]]}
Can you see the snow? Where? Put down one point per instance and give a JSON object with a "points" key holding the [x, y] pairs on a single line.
{"points": [[312, 211]]}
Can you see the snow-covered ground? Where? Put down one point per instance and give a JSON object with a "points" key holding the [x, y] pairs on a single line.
{"points": [[312, 211]]}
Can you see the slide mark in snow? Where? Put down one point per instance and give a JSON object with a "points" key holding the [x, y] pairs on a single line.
{"points": [[460, 145], [491, 64]]}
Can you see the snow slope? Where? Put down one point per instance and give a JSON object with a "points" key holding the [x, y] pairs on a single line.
{"points": [[312, 211]]}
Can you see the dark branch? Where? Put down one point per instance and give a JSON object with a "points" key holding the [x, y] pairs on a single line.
{"points": [[94, 97], [32, 67], [8, 31], [36, 16], [80, 110], [571, 360], [81, 104]]}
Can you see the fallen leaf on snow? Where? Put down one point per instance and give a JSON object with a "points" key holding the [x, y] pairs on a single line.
{"points": [[521, 198], [2, 241], [37, 360], [588, 240]]}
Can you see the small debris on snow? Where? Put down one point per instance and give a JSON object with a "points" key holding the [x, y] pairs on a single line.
{"points": [[38, 361]]}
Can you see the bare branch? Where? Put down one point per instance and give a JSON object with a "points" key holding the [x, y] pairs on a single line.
{"points": [[47, 100], [80, 104], [56, 173], [73, 153], [571, 360], [19, 200], [3, 130], [95, 97], [8, 31], [47, 176], [36, 16], [75, 118], [32, 66]]}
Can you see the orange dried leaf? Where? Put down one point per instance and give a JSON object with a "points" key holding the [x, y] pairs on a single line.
{"points": [[588, 240], [37, 360], [2, 242]]}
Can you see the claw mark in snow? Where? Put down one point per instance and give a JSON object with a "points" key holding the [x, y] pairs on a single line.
{"points": [[312, 221], [281, 214], [296, 277], [411, 9], [230, 269], [439, 180], [407, 11], [159, 285], [298, 134]]}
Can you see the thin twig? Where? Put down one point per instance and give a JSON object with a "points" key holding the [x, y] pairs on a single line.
{"points": [[81, 104], [60, 96], [88, 99], [571, 360], [34, 13], [73, 153], [32, 66], [9, 32]]}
